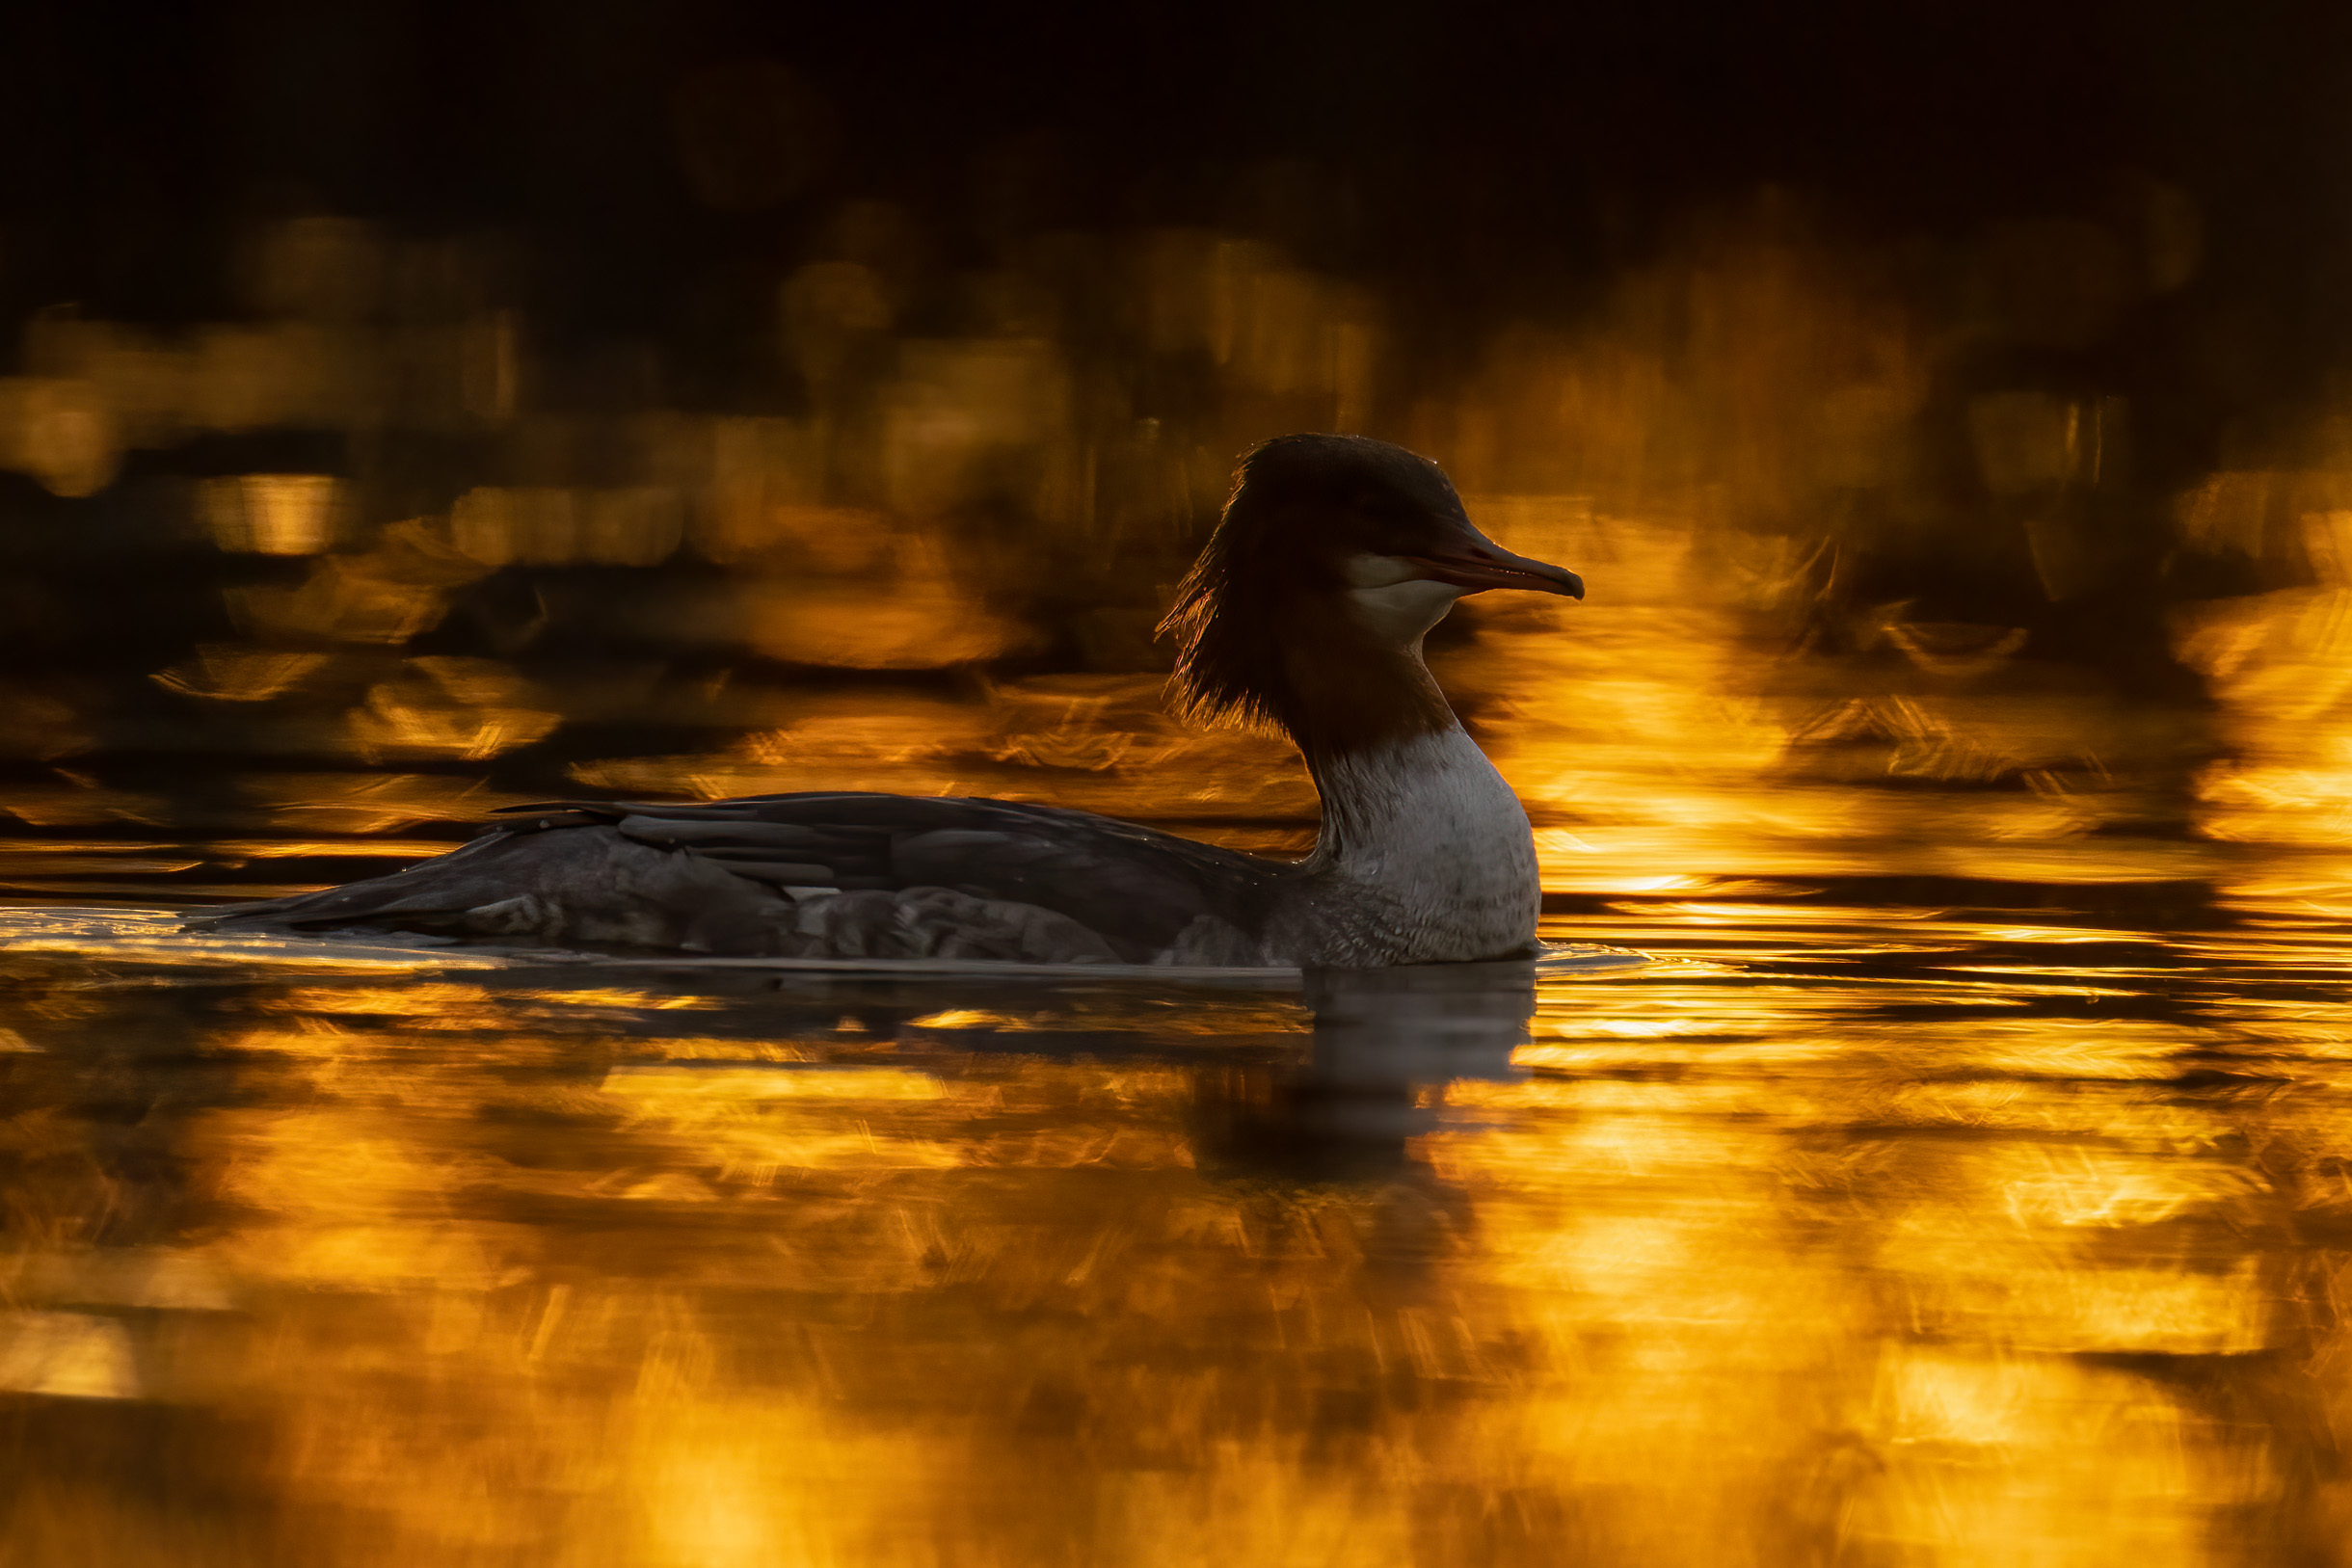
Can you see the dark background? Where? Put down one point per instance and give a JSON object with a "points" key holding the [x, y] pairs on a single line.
{"points": [[1486, 161], [1634, 255]]}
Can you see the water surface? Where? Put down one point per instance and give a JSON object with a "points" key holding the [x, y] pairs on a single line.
{"points": [[1962, 1178], [1879, 1220]]}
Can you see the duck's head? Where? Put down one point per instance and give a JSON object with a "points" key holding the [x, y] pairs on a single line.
{"points": [[1334, 550]]}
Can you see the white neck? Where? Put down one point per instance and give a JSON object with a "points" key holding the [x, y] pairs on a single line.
{"points": [[1425, 827]]}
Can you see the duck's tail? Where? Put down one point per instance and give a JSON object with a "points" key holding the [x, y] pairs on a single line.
{"points": [[586, 885]]}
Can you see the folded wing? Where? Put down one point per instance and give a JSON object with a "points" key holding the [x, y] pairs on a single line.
{"points": [[728, 868]]}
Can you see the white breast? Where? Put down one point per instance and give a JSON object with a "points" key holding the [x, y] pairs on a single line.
{"points": [[1424, 832]]}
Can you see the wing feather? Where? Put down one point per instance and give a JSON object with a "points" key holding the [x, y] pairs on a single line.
{"points": [[1140, 891], [1135, 885]]}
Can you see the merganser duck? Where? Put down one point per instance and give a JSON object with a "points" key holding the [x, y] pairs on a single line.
{"points": [[1334, 557]]}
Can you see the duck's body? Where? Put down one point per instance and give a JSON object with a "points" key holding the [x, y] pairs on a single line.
{"points": [[1335, 557]]}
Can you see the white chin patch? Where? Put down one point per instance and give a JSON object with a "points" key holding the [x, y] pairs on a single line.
{"points": [[1403, 611]]}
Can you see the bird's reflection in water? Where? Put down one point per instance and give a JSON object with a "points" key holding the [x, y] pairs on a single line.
{"points": [[1386, 1042], [1783, 1264]]}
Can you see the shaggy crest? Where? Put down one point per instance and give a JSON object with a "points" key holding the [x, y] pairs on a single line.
{"points": [[1272, 571]]}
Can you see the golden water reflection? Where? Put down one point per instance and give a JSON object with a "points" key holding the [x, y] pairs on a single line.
{"points": [[1853, 1233], [1968, 1181]]}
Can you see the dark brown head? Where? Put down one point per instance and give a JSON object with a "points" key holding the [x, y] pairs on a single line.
{"points": [[1335, 555]]}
